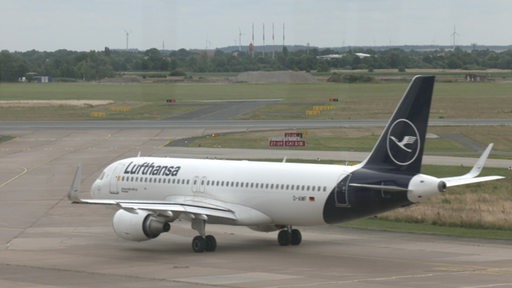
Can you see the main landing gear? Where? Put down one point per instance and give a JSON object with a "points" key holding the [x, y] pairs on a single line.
{"points": [[207, 243], [202, 242], [289, 236]]}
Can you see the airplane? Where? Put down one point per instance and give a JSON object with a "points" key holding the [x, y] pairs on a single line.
{"points": [[153, 192]]}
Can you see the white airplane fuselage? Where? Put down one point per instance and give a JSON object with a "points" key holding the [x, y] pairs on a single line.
{"points": [[260, 192]]}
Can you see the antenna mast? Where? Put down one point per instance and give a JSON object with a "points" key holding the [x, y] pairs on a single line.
{"points": [[127, 37], [283, 34], [273, 43], [454, 35], [263, 39], [252, 42]]}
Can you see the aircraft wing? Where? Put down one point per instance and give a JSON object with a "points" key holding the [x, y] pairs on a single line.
{"points": [[166, 208], [471, 176]]}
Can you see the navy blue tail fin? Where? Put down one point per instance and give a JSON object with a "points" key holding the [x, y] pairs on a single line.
{"points": [[400, 146]]}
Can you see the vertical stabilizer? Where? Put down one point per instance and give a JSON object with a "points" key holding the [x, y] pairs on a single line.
{"points": [[400, 146]]}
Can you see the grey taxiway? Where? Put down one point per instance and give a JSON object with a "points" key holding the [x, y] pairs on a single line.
{"points": [[47, 242]]}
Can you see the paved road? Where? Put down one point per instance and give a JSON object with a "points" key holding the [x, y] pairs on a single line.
{"points": [[47, 242], [233, 124], [341, 156], [222, 110]]}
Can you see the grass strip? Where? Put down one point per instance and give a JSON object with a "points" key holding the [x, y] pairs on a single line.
{"points": [[375, 223]]}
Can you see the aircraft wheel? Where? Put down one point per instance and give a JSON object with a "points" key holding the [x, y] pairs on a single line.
{"points": [[284, 237], [296, 237], [211, 243], [198, 244]]}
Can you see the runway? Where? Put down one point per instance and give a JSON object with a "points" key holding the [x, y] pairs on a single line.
{"points": [[47, 242]]}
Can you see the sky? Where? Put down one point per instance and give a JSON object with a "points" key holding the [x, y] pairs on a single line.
{"points": [[83, 25]]}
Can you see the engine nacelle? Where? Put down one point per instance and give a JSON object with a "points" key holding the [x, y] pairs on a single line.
{"points": [[139, 226], [423, 187]]}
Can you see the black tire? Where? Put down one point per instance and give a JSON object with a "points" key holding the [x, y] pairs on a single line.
{"points": [[198, 244], [284, 237], [296, 237], [211, 243]]}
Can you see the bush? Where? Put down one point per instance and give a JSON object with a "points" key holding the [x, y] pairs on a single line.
{"points": [[350, 78], [177, 73]]}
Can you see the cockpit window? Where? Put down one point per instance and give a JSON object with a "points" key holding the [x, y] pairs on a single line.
{"points": [[102, 175]]}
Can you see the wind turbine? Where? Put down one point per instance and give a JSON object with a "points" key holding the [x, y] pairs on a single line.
{"points": [[454, 35], [239, 39], [127, 33]]}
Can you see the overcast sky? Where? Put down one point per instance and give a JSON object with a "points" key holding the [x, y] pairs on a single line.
{"points": [[94, 24]]}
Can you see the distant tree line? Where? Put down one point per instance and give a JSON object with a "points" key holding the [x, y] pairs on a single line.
{"points": [[96, 65]]}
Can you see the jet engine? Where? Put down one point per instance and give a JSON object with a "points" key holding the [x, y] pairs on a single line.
{"points": [[422, 187], [139, 225]]}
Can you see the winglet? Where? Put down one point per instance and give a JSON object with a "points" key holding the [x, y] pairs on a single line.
{"points": [[471, 176], [74, 190], [479, 165]]}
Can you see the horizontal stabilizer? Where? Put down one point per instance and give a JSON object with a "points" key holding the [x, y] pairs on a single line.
{"points": [[386, 188], [462, 181], [471, 176]]}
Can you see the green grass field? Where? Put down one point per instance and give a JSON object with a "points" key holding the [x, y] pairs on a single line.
{"points": [[357, 101], [363, 139], [376, 223]]}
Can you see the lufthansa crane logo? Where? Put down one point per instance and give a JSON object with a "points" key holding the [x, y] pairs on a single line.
{"points": [[403, 142]]}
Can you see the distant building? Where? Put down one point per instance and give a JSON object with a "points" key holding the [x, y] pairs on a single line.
{"points": [[42, 79], [475, 78], [338, 56]]}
